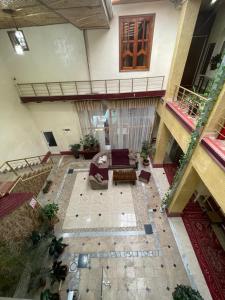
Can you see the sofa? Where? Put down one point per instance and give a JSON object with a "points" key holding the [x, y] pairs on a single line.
{"points": [[116, 159], [105, 160], [98, 182]]}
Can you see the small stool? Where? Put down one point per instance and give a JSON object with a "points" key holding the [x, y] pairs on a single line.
{"points": [[144, 176]]}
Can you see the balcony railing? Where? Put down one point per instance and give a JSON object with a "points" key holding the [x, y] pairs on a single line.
{"points": [[111, 86], [204, 82], [188, 101]]}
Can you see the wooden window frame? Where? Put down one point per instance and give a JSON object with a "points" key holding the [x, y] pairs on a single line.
{"points": [[136, 18]]}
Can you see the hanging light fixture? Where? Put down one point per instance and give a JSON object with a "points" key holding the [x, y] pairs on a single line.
{"points": [[19, 49], [17, 37]]}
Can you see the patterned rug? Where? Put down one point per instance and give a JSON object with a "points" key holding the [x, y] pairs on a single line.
{"points": [[170, 170], [208, 250]]}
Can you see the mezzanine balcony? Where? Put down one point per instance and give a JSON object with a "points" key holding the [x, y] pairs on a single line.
{"points": [[92, 90]]}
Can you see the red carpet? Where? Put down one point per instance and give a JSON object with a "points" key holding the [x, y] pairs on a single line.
{"points": [[208, 250], [170, 170]]}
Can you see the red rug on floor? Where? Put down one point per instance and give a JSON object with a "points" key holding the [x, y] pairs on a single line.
{"points": [[170, 170], [209, 252]]}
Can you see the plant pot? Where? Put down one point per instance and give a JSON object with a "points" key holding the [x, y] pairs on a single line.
{"points": [[76, 155], [146, 163]]}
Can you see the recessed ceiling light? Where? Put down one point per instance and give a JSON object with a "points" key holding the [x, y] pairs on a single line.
{"points": [[213, 1]]}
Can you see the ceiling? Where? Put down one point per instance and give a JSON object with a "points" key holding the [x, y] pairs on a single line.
{"points": [[84, 14]]}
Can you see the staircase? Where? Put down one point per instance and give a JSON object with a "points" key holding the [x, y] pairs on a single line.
{"points": [[25, 174]]}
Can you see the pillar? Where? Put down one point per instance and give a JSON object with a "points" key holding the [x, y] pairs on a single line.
{"points": [[185, 189], [162, 141], [186, 26]]}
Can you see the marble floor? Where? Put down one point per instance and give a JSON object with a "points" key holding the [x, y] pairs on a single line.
{"points": [[123, 261], [99, 208]]}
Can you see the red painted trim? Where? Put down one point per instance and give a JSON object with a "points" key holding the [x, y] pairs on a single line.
{"points": [[214, 150], [173, 215], [66, 152], [47, 155], [97, 97], [189, 124]]}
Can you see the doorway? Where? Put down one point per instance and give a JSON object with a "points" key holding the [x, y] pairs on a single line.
{"points": [[51, 141]]}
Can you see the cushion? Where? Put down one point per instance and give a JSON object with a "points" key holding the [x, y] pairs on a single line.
{"points": [[99, 177], [132, 156], [102, 171], [145, 175], [120, 157]]}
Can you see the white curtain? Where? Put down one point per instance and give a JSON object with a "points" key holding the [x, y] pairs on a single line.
{"points": [[129, 122], [91, 117]]}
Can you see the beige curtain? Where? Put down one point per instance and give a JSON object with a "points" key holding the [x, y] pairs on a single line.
{"points": [[125, 123]]}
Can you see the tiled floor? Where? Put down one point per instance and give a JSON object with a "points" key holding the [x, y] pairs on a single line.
{"points": [[99, 208], [135, 265]]}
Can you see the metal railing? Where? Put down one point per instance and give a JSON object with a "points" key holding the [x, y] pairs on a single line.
{"points": [[14, 166], [110, 86], [203, 84], [189, 101]]}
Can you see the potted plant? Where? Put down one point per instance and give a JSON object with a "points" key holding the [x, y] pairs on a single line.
{"points": [[182, 292], [75, 149], [50, 210], [58, 272], [90, 146], [145, 150], [47, 295], [47, 186], [56, 247]]}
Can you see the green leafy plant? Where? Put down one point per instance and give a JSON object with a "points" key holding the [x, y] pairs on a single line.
{"points": [[50, 210], [215, 61], [89, 142], [35, 237], [47, 186], [75, 149], [145, 151], [183, 292], [56, 247], [58, 272], [47, 295]]}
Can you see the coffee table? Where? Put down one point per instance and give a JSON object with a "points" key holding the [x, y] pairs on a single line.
{"points": [[124, 176]]}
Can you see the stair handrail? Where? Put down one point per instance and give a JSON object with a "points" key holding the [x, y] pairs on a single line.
{"points": [[25, 159]]}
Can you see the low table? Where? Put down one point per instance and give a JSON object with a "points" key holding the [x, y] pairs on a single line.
{"points": [[124, 176]]}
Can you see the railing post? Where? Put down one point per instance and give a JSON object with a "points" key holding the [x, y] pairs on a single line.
{"points": [[33, 89], [119, 86], [162, 82], [147, 84], [76, 87], [106, 87], [132, 89], [175, 91], [28, 164], [61, 88], [46, 84], [11, 168], [91, 86]]}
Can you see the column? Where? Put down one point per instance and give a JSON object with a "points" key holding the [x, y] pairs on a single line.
{"points": [[162, 141], [186, 188], [188, 17]]}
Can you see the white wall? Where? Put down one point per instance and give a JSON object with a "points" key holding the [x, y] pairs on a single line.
{"points": [[56, 53], [19, 136], [56, 117], [104, 44]]}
